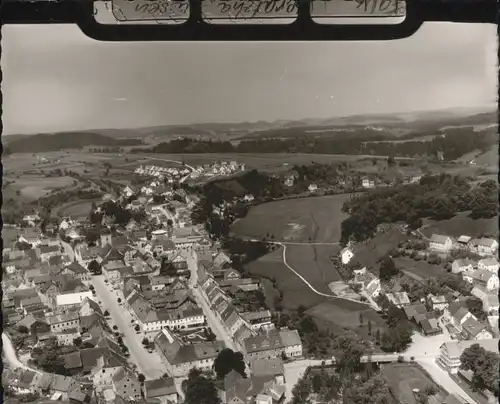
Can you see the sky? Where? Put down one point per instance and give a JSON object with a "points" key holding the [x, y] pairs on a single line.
{"points": [[57, 79]]}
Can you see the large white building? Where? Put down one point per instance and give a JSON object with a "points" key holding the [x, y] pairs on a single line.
{"points": [[449, 352]]}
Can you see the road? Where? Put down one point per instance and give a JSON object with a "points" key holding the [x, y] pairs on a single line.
{"points": [[149, 364], [212, 320], [68, 250], [10, 355]]}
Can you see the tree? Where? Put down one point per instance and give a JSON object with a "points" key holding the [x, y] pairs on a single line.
{"points": [[361, 319], [77, 341], [388, 268], [94, 267], [369, 327], [145, 341], [141, 378], [228, 360], [371, 391], [484, 365], [200, 390], [106, 313], [301, 391], [137, 328], [23, 329], [119, 300]]}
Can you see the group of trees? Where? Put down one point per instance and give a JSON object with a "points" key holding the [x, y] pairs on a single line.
{"points": [[200, 389], [398, 336], [484, 366], [366, 141], [437, 197], [228, 360]]}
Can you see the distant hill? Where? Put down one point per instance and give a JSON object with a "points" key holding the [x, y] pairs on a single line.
{"points": [[60, 141]]}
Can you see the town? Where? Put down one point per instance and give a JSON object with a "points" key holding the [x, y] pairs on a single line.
{"points": [[141, 301]]}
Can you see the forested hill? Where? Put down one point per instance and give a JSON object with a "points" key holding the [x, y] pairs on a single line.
{"points": [[60, 141], [455, 143]]}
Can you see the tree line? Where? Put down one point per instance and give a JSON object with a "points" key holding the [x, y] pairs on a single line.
{"points": [[437, 197], [456, 143]]}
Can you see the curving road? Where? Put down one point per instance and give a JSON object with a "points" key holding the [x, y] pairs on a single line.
{"points": [[283, 245]]}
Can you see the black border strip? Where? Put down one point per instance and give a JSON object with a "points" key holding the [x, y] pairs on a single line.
{"points": [[195, 29]]}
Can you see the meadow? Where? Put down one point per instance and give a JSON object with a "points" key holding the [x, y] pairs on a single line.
{"points": [[461, 224], [32, 187], [315, 219], [403, 378]]}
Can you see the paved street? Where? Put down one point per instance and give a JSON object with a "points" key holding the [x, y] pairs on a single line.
{"points": [[149, 364], [212, 320]]}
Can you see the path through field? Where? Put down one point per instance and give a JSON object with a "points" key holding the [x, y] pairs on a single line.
{"points": [[312, 287]]}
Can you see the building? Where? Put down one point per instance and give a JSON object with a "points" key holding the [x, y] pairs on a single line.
{"points": [[162, 389], [368, 183], [482, 278], [269, 368], [126, 384], [456, 314], [180, 358], [440, 243], [472, 329], [449, 352], [437, 302], [312, 188], [273, 344], [490, 304], [346, 255], [483, 246], [63, 322], [257, 319], [462, 265], [77, 271], [67, 337], [399, 299], [488, 264], [72, 299]]}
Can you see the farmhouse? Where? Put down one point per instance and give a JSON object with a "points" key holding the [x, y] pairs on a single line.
{"points": [[472, 329], [483, 246], [368, 182], [488, 264], [440, 243], [482, 278], [462, 265], [437, 302], [449, 352], [312, 187]]}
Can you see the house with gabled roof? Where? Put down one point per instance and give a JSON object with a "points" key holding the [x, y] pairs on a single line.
{"points": [[473, 329], [483, 278], [162, 389], [180, 358], [457, 314], [488, 264], [440, 243], [77, 271], [399, 299], [463, 265], [483, 246]]}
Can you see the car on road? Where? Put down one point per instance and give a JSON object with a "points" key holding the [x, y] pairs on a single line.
{"points": [[150, 350]]}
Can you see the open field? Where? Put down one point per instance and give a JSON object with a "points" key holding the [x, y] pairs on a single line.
{"points": [[32, 187], [75, 209], [422, 268], [314, 264], [404, 377], [346, 314], [272, 162], [462, 224], [303, 219], [368, 253], [295, 292]]}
